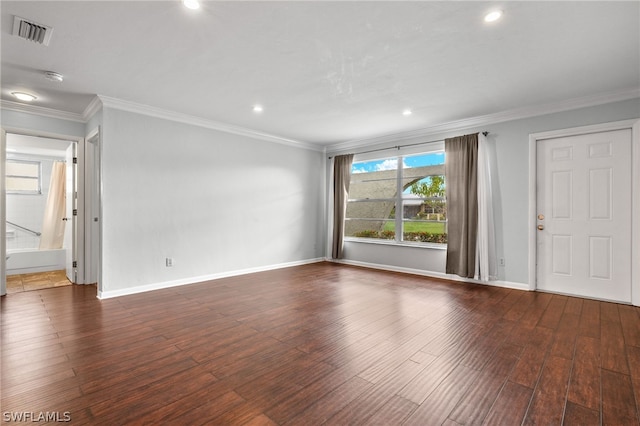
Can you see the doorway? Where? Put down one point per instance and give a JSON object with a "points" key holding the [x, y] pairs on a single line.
{"points": [[582, 218], [81, 182]]}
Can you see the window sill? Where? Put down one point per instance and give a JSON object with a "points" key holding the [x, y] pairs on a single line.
{"points": [[431, 246], [23, 193]]}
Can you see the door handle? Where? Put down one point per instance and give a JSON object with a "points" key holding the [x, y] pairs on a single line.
{"points": [[540, 227]]}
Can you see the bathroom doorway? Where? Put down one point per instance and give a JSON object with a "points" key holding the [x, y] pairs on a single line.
{"points": [[38, 180], [49, 244]]}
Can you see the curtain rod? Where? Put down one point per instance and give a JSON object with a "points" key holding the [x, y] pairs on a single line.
{"points": [[403, 146]]}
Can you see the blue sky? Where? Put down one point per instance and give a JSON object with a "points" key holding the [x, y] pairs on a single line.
{"points": [[392, 163]]}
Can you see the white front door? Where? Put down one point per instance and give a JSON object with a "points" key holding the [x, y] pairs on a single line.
{"points": [[584, 215], [70, 218]]}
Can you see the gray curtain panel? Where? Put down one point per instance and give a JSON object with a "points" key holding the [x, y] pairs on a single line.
{"points": [[461, 174], [341, 180]]}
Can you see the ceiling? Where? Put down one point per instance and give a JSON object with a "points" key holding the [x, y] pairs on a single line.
{"points": [[324, 72]]}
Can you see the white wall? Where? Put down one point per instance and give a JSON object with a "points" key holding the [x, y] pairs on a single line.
{"points": [[509, 143], [46, 125], [212, 201]]}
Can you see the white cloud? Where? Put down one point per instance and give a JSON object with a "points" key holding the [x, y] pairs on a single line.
{"points": [[389, 164]]}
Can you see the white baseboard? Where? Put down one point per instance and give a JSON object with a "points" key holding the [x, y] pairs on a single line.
{"points": [[432, 274], [193, 280]]}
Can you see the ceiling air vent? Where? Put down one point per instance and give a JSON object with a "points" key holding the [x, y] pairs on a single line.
{"points": [[31, 31]]}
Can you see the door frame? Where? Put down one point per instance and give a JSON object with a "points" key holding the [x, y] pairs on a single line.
{"points": [[80, 141], [3, 213], [94, 137], [634, 125], [75, 230]]}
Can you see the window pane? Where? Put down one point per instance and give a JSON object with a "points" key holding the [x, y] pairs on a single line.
{"points": [[23, 176], [369, 219], [422, 160], [382, 230], [424, 220], [373, 179], [24, 169], [416, 167], [424, 211], [432, 209], [375, 165], [22, 184], [376, 181]]}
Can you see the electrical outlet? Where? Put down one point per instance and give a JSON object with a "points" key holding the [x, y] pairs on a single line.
{"points": [[169, 262], [502, 263]]}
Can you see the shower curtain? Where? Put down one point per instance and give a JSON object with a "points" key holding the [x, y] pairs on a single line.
{"points": [[52, 225]]}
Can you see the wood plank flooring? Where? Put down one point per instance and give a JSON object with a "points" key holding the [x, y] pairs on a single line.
{"points": [[321, 344]]}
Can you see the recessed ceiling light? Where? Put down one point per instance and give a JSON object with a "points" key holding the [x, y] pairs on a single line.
{"points": [[191, 4], [257, 108], [493, 16], [27, 97], [407, 112]]}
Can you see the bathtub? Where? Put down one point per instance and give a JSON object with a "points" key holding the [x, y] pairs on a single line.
{"points": [[25, 261]]}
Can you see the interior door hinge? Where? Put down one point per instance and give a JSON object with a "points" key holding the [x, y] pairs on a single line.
{"points": [[75, 212], [75, 264], [75, 160]]}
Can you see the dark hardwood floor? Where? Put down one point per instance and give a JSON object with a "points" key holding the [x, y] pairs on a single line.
{"points": [[321, 343]]}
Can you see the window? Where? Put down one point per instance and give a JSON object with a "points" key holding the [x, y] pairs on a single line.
{"points": [[23, 177], [403, 203]]}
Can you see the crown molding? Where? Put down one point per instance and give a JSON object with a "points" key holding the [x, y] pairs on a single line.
{"points": [[100, 101], [201, 122], [94, 106], [515, 114], [499, 117], [41, 111]]}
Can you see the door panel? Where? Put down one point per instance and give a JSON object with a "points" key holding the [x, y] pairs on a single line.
{"points": [[584, 215]]}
